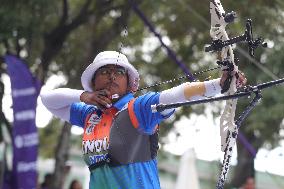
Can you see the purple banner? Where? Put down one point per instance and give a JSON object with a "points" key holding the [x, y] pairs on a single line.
{"points": [[25, 90]]}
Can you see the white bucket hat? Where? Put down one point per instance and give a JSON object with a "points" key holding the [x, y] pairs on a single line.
{"points": [[106, 58]]}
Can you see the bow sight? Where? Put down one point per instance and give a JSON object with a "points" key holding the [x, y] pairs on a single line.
{"points": [[218, 44]]}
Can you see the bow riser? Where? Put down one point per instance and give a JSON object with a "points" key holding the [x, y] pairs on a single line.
{"points": [[227, 120], [218, 32]]}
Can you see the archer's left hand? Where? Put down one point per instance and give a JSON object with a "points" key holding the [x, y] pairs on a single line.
{"points": [[241, 79], [226, 80]]}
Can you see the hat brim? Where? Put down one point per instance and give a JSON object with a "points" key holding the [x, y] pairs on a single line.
{"points": [[86, 78]]}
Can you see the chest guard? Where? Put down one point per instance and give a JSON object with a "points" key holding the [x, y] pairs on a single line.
{"points": [[127, 144]]}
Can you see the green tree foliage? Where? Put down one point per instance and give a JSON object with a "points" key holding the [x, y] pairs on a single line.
{"points": [[64, 37], [48, 137]]}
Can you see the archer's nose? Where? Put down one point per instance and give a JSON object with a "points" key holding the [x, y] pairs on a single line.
{"points": [[112, 76]]}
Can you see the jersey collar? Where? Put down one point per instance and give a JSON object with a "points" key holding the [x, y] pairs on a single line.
{"points": [[124, 100]]}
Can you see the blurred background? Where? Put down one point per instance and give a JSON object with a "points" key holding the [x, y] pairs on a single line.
{"points": [[56, 40]]}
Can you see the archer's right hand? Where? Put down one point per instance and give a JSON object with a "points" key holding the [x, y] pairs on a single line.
{"points": [[98, 98]]}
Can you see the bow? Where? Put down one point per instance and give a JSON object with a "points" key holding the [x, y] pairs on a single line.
{"points": [[228, 128], [223, 44], [226, 55]]}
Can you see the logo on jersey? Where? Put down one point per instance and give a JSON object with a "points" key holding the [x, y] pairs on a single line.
{"points": [[91, 123], [95, 146]]}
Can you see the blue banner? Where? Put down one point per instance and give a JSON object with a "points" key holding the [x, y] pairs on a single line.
{"points": [[25, 90]]}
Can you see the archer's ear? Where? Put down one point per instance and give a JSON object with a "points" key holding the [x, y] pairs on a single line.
{"points": [[129, 88]]}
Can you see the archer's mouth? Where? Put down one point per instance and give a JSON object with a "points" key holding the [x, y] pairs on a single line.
{"points": [[112, 84]]}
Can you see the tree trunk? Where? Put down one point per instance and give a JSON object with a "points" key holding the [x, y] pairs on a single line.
{"points": [[54, 39], [61, 156]]}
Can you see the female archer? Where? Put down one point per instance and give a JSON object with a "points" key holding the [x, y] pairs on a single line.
{"points": [[120, 140]]}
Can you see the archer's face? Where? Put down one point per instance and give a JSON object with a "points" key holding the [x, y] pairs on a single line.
{"points": [[111, 77]]}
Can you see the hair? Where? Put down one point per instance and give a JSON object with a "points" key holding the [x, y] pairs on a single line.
{"points": [[73, 183], [47, 180]]}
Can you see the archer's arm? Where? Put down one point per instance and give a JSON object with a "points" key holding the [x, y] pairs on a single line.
{"points": [[191, 91], [147, 120], [198, 90], [59, 101]]}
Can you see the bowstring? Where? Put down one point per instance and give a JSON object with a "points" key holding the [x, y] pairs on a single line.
{"points": [[121, 46], [124, 35], [179, 78]]}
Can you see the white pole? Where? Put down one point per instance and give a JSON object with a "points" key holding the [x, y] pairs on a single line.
{"points": [[187, 174]]}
